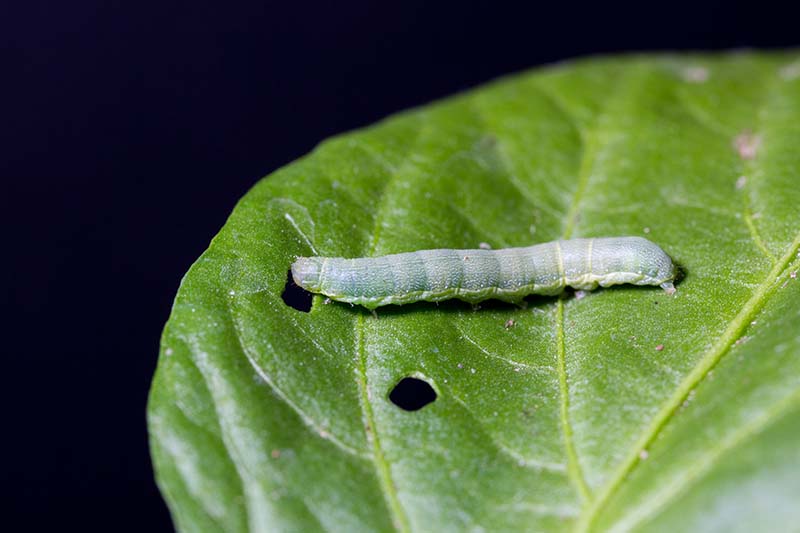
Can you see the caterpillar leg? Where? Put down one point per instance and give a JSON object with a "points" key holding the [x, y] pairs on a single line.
{"points": [[668, 287]]}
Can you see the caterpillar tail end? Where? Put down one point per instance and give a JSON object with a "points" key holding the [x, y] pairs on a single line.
{"points": [[669, 288]]}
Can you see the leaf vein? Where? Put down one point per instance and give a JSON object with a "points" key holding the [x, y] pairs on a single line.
{"points": [[307, 419], [698, 468], [399, 518], [698, 374], [501, 358], [590, 154], [519, 458]]}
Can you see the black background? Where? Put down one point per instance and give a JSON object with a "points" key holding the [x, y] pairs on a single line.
{"points": [[130, 133]]}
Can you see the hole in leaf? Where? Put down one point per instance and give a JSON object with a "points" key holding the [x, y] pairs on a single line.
{"points": [[412, 394], [295, 296]]}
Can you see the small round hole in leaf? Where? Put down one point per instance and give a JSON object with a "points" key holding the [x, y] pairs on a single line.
{"points": [[295, 296], [412, 394]]}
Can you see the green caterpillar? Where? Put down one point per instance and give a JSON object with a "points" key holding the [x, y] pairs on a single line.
{"points": [[474, 275]]}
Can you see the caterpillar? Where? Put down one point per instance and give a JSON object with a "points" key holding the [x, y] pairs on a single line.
{"points": [[507, 274]]}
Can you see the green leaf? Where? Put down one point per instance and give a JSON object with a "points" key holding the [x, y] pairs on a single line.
{"points": [[626, 409]]}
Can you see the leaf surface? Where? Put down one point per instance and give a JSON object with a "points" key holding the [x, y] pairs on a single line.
{"points": [[625, 409]]}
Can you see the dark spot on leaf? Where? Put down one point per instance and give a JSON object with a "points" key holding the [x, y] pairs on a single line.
{"points": [[680, 273], [412, 394], [295, 296]]}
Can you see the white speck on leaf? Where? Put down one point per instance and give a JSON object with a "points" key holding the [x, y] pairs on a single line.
{"points": [[747, 144], [741, 340], [688, 399], [695, 74], [791, 71]]}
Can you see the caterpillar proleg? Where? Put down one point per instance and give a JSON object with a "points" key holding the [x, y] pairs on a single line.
{"points": [[507, 274]]}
